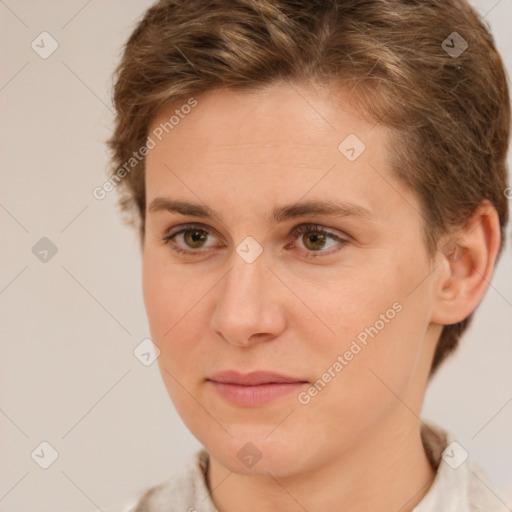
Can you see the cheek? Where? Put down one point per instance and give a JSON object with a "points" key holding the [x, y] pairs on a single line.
{"points": [[164, 303], [352, 302], [168, 303], [159, 295], [381, 355], [174, 305], [168, 294], [358, 382], [378, 323]]}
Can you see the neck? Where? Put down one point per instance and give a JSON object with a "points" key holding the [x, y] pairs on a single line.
{"points": [[386, 470]]}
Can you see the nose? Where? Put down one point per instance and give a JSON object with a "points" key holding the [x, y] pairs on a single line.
{"points": [[249, 308]]}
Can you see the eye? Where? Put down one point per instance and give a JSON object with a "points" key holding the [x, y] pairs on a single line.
{"points": [[314, 239], [195, 236]]}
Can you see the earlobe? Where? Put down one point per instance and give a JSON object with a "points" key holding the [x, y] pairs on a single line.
{"points": [[468, 259]]}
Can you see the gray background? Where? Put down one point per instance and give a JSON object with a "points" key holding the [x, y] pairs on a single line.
{"points": [[70, 325]]}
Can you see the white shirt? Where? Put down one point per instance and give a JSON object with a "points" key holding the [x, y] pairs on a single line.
{"points": [[459, 485]]}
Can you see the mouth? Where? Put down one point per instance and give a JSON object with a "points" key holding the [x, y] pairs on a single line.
{"points": [[255, 388]]}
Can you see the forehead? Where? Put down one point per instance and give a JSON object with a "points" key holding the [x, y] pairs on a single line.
{"points": [[280, 114], [272, 144]]}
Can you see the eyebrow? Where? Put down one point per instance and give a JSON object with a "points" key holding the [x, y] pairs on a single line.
{"points": [[278, 214]]}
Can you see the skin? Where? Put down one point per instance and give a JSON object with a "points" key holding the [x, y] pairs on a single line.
{"points": [[357, 442]]}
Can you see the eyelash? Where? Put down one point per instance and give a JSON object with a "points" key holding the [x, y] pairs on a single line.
{"points": [[297, 231]]}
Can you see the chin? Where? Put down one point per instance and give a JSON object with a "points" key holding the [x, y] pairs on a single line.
{"points": [[251, 451], [249, 460]]}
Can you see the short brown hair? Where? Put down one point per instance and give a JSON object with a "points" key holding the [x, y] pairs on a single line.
{"points": [[428, 69]]}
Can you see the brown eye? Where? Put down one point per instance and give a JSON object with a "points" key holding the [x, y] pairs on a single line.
{"points": [[190, 239], [315, 239], [194, 238]]}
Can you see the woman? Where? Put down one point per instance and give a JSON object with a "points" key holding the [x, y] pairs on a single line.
{"points": [[320, 193]]}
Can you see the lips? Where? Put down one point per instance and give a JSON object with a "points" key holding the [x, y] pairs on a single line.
{"points": [[253, 378], [255, 388]]}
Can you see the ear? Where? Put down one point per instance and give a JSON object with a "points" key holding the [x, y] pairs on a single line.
{"points": [[467, 263]]}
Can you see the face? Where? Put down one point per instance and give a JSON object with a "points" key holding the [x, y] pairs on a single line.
{"points": [[302, 257]]}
